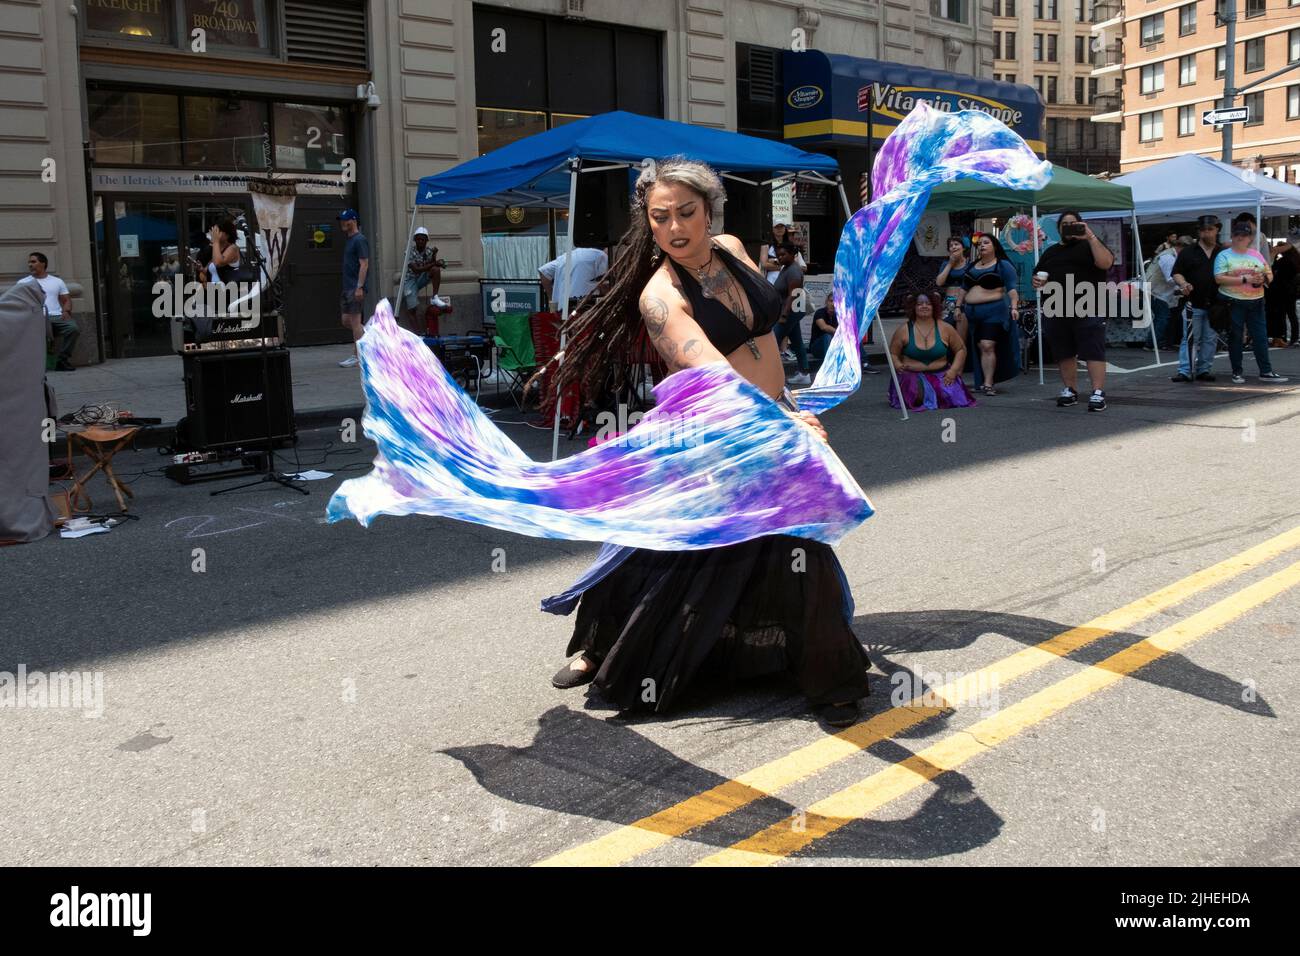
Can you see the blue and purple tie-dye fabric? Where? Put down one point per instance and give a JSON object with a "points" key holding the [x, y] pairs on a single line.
{"points": [[696, 471]]}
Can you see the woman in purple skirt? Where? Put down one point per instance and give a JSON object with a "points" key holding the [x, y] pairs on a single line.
{"points": [[929, 356]]}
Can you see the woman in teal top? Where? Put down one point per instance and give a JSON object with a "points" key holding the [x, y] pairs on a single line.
{"points": [[929, 356]]}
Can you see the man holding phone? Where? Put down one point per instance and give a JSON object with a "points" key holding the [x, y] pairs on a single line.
{"points": [[1073, 330]]}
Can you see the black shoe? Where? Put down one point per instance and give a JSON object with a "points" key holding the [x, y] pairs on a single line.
{"points": [[1067, 398], [839, 715], [62, 366], [566, 677], [1180, 377], [1205, 377]]}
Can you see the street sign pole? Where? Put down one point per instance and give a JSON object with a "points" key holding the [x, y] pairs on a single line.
{"points": [[1229, 64]]}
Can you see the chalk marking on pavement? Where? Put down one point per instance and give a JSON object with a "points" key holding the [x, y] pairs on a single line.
{"points": [[642, 836], [862, 798]]}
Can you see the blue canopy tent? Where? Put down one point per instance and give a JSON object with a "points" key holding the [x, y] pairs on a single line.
{"points": [[542, 171]]}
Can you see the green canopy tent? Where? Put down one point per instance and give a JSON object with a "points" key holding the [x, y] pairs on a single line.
{"points": [[1066, 190]]}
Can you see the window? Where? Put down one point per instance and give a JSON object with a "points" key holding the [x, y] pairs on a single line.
{"points": [[1255, 103], [1255, 8], [954, 10], [1186, 120], [1038, 48], [1092, 90], [1053, 133], [1081, 12], [1187, 19], [1078, 90], [997, 45], [1151, 126], [1051, 89], [1009, 77], [1010, 6], [1153, 78], [1080, 50], [1045, 10], [146, 23], [1038, 83], [1051, 48], [1187, 69], [223, 132], [1255, 55], [229, 23], [1293, 102], [1220, 63], [134, 129], [1011, 45], [310, 138], [1153, 28], [1293, 46]]}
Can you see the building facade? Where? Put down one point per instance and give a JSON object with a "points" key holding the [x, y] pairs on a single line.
{"points": [[1049, 44], [122, 139], [1173, 66]]}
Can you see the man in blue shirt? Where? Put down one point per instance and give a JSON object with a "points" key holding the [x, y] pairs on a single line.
{"points": [[356, 269]]}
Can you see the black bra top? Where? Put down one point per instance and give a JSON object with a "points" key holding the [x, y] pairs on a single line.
{"points": [[986, 279], [726, 330]]}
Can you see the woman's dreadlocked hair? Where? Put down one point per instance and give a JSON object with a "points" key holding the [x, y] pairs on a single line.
{"points": [[601, 338]]}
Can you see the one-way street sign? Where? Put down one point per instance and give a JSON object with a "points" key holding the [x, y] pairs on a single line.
{"points": [[1235, 114]]}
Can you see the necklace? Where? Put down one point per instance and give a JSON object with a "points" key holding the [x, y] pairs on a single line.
{"points": [[700, 272]]}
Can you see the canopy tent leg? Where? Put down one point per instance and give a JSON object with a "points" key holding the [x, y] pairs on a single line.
{"points": [[406, 261], [1146, 297], [574, 169], [889, 359], [1038, 305]]}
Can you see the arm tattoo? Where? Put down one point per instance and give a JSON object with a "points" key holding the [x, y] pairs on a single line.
{"points": [[655, 312]]}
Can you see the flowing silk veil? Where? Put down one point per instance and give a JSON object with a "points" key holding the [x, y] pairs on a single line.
{"points": [[696, 471]]}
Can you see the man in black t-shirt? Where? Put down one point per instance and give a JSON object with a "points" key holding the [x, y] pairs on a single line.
{"points": [[1194, 275], [1070, 277]]}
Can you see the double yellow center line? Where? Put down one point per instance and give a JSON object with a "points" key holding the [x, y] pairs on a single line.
{"points": [[768, 846]]}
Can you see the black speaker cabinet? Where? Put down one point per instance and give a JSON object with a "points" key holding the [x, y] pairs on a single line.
{"points": [[601, 208], [227, 401], [748, 212]]}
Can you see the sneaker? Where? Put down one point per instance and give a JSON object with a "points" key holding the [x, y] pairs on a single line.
{"points": [[870, 369], [1097, 401], [1180, 377], [788, 356], [349, 362], [1067, 398], [1205, 377], [1238, 379], [1272, 377], [801, 380]]}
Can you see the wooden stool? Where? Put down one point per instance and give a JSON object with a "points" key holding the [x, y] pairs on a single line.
{"points": [[99, 444]]}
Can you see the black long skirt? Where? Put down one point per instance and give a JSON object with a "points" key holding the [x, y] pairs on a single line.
{"points": [[664, 620]]}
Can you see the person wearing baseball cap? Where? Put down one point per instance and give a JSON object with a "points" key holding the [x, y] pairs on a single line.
{"points": [[356, 275], [422, 268], [1242, 273], [1193, 274]]}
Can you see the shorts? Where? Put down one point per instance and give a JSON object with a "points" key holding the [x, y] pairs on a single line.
{"points": [[349, 305], [1068, 337], [989, 321]]}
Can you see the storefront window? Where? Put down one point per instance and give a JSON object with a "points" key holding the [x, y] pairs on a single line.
{"points": [[149, 21], [516, 240], [224, 133], [134, 129], [310, 138], [237, 23]]}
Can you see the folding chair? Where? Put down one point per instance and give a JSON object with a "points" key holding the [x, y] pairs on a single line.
{"points": [[516, 360]]}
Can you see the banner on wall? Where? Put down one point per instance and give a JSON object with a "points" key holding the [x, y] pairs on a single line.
{"points": [[273, 206], [932, 232]]}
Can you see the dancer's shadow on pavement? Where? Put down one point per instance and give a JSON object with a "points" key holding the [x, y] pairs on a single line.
{"points": [[582, 765]]}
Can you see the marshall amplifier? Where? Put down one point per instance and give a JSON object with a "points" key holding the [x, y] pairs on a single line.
{"points": [[226, 398]]}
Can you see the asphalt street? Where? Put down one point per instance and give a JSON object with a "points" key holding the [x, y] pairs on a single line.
{"points": [[1104, 609]]}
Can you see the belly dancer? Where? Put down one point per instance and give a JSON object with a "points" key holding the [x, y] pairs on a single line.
{"points": [[663, 620]]}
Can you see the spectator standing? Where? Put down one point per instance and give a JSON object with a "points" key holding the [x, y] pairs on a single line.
{"points": [[58, 308], [1074, 331], [1242, 272], [1194, 276], [789, 283], [356, 278]]}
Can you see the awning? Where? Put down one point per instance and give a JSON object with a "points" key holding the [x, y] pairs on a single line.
{"points": [[1184, 187], [827, 97], [1067, 190]]}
